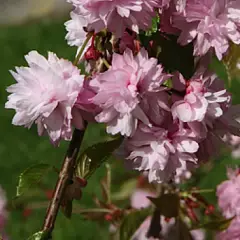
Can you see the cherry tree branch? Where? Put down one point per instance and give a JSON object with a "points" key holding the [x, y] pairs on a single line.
{"points": [[66, 174], [64, 179]]}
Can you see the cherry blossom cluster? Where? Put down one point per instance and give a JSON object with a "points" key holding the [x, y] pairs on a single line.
{"points": [[170, 124], [210, 24], [168, 130]]}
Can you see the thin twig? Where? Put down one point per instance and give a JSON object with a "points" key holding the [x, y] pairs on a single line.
{"points": [[106, 63], [65, 178], [68, 167], [79, 55]]}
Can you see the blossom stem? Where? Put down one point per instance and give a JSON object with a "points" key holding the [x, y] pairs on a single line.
{"points": [[68, 166], [65, 178], [109, 179], [203, 191], [106, 63], [89, 36]]}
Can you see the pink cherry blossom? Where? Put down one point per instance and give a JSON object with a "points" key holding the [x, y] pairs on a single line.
{"points": [[218, 132], [204, 94], [116, 16], [76, 34], [120, 91], [184, 172], [127, 41], [228, 193], [156, 106], [163, 154], [166, 24], [45, 93], [211, 24], [166, 16]]}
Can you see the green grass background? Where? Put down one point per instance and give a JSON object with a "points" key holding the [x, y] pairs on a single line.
{"points": [[20, 148]]}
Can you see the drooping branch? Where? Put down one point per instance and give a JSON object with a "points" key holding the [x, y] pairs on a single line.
{"points": [[64, 179]]}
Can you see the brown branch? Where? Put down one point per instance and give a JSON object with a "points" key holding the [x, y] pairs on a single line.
{"points": [[64, 179]]}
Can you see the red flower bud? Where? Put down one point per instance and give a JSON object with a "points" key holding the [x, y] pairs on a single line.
{"points": [[27, 212], [108, 217], [117, 213], [192, 215], [49, 194], [82, 182], [210, 209], [167, 219], [192, 204], [92, 54]]}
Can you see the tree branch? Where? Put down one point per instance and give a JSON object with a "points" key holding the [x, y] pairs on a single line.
{"points": [[64, 179]]}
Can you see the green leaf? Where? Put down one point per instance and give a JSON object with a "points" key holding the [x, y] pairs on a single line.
{"points": [[155, 26], [218, 225], [168, 204], [94, 156], [31, 177], [132, 222], [43, 235], [230, 62], [125, 190], [95, 133], [173, 56]]}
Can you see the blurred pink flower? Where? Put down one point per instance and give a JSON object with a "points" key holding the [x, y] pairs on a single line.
{"points": [[210, 24], [45, 93], [228, 193], [121, 89], [235, 143], [141, 233], [232, 232], [139, 198], [3, 214], [168, 231], [116, 16], [217, 131]]}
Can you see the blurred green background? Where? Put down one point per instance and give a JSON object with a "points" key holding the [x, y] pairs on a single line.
{"points": [[20, 148]]}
